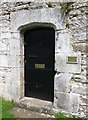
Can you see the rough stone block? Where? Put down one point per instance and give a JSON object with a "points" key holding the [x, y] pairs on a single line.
{"points": [[14, 61], [15, 35], [3, 61], [3, 46], [61, 64], [6, 35], [68, 102], [52, 15], [80, 36], [63, 42], [62, 82], [79, 88], [78, 22], [82, 47], [80, 78], [11, 84], [15, 47]]}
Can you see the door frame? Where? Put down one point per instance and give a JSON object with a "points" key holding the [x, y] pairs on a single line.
{"points": [[22, 88], [49, 17]]}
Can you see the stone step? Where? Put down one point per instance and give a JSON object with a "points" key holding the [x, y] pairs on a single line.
{"points": [[36, 105]]}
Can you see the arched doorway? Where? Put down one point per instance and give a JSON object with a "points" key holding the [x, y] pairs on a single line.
{"points": [[39, 52]]}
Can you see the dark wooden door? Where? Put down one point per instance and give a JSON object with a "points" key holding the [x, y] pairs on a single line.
{"points": [[39, 63]]}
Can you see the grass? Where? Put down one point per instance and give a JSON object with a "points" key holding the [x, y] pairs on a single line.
{"points": [[58, 116], [0, 109], [5, 110], [61, 116]]}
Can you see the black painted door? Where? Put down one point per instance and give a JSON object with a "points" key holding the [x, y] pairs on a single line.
{"points": [[39, 44]]}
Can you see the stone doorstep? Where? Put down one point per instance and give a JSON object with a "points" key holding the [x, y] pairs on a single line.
{"points": [[37, 105]]}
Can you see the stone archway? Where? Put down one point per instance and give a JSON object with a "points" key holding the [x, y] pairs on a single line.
{"points": [[23, 20]]}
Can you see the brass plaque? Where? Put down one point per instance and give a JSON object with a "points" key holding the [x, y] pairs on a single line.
{"points": [[72, 59], [40, 66]]}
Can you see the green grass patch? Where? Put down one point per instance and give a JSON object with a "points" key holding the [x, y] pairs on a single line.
{"points": [[0, 108], [6, 108], [61, 116]]}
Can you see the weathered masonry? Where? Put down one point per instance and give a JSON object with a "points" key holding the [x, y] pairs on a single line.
{"points": [[43, 53]]}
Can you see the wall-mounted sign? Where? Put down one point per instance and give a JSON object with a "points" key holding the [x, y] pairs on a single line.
{"points": [[40, 66], [72, 59]]}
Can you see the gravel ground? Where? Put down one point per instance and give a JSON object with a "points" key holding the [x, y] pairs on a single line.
{"points": [[23, 113]]}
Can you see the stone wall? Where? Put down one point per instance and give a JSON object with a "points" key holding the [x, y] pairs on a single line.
{"points": [[70, 95], [77, 23]]}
